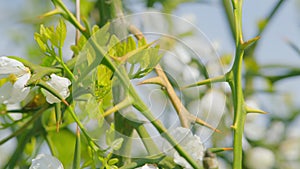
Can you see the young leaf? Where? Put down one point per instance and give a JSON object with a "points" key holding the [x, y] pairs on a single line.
{"points": [[61, 31], [131, 45], [103, 82], [40, 42], [142, 42], [116, 144]]}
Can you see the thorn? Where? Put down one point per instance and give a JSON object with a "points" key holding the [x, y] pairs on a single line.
{"points": [[253, 110], [221, 78], [233, 127], [250, 42], [137, 33], [203, 123], [65, 102], [154, 80], [50, 13], [228, 148], [217, 150]]}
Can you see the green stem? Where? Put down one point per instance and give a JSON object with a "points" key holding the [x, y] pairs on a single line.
{"points": [[123, 104], [65, 67], [70, 17], [235, 81], [91, 142], [239, 108], [148, 142], [229, 16], [25, 126], [77, 153]]}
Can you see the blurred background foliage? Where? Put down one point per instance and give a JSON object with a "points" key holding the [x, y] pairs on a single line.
{"points": [[271, 72]]}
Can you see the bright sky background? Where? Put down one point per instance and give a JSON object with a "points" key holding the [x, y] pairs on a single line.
{"points": [[209, 19]]}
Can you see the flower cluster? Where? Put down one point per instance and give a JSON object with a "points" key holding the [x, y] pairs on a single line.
{"points": [[18, 75]]}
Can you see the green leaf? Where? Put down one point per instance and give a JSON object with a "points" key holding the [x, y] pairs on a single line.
{"points": [[131, 45], [40, 42], [77, 153], [142, 42], [146, 58], [103, 82], [95, 28], [86, 7], [48, 61], [116, 144], [101, 35], [51, 35], [63, 146], [77, 48], [61, 31], [30, 146], [112, 45]]}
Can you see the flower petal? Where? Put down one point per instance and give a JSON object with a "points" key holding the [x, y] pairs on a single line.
{"points": [[12, 66], [5, 92], [61, 85], [148, 166], [19, 91], [44, 161], [191, 143]]}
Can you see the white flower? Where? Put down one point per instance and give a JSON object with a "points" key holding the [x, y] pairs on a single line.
{"points": [[148, 166], [44, 161], [19, 75], [61, 85], [191, 143]]}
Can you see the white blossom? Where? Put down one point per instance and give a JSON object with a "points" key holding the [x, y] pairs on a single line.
{"points": [[61, 85], [12, 66], [18, 75], [190, 143], [44, 161]]}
